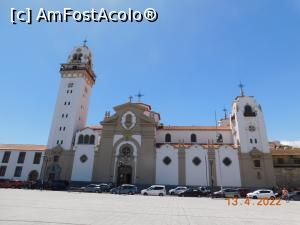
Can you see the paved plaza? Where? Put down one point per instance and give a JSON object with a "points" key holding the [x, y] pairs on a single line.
{"points": [[48, 207]]}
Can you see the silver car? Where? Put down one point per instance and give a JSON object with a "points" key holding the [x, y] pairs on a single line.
{"points": [[177, 190], [94, 188]]}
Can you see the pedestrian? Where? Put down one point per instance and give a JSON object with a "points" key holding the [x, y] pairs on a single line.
{"points": [[285, 194]]}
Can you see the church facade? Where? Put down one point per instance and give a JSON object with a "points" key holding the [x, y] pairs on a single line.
{"points": [[132, 146]]}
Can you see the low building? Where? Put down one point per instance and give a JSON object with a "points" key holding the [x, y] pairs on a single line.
{"points": [[21, 162]]}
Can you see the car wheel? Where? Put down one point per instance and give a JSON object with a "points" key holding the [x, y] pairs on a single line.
{"points": [[130, 193], [254, 197], [272, 198], [161, 194], [145, 194]]}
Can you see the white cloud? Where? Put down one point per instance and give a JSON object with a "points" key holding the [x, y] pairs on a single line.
{"points": [[291, 143]]}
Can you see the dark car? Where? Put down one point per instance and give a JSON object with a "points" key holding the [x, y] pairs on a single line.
{"points": [[57, 185], [104, 187], [206, 191], [227, 193], [192, 192], [295, 195], [5, 183], [125, 189]]}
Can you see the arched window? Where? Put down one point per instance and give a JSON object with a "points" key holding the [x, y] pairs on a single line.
{"points": [[248, 111], [193, 138], [86, 139], [92, 139], [168, 138], [219, 138], [80, 139]]}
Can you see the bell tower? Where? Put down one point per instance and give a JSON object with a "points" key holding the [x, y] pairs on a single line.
{"points": [[77, 80], [249, 134], [248, 125]]}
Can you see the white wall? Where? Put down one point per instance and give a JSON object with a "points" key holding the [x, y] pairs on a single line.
{"points": [[197, 175], [202, 136], [166, 174], [28, 165], [228, 176], [79, 101], [83, 171]]}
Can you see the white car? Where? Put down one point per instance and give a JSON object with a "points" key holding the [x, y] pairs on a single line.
{"points": [[177, 190], [269, 194], [155, 190]]}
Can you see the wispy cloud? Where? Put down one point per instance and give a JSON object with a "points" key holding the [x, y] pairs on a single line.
{"points": [[291, 143]]}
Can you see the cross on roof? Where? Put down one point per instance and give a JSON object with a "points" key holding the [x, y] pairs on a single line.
{"points": [[84, 42], [130, 98], [241, 86], [139, 95], [225, 113]]}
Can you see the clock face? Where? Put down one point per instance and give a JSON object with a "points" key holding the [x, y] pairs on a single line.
{"points": [[252, 128], [128, 120]]}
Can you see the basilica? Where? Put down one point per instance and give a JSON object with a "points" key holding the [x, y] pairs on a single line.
{"points": [[131, 145]]}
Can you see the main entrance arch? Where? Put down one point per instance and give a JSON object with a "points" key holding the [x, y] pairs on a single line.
{"points": [[125, 164], [124, 174]]}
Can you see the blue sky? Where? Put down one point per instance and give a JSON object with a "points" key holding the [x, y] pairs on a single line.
{"points": [[188, 63]]}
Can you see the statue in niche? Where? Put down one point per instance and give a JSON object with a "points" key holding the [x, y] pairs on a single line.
{"points": [[128, 120]]}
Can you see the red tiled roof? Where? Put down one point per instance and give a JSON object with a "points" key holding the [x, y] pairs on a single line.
{"points": [[95, 127], [22, 147], [282, 152], [195, 128]]}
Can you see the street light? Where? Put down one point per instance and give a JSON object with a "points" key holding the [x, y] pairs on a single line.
{"points": [[211, 176], [45, 160]]}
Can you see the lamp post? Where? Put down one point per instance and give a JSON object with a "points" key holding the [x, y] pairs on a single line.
{"points": [[45, 160], [211, 176]]}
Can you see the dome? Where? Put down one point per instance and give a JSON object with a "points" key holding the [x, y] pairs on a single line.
{"points": [[81, 54]]}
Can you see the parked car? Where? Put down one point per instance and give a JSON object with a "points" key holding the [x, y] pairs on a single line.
{"points": [[206, 191], [125, 189], [177, 190], [192, 192], [155, 190], [57, 185], [295, 195], [105, 187], [269, 194], [227, 193], [5, 183], [94, 188]]}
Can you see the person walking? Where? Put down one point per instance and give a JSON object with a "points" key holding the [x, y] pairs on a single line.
{"points": [[285, 194]]}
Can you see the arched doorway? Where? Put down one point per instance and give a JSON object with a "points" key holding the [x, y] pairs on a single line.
{"points": [[53, 173], [124, 174], [33, 175]]}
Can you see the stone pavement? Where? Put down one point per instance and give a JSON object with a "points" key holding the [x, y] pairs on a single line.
{"points": [[30, 207]]}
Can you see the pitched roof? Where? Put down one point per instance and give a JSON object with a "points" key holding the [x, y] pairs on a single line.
{"points": [[22, 147], [282, 152], [195, 128]]}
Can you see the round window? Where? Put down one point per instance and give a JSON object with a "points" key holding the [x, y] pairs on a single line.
{"points": [[83, 158], [227, 161], [167, 160], [196, 161]]}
